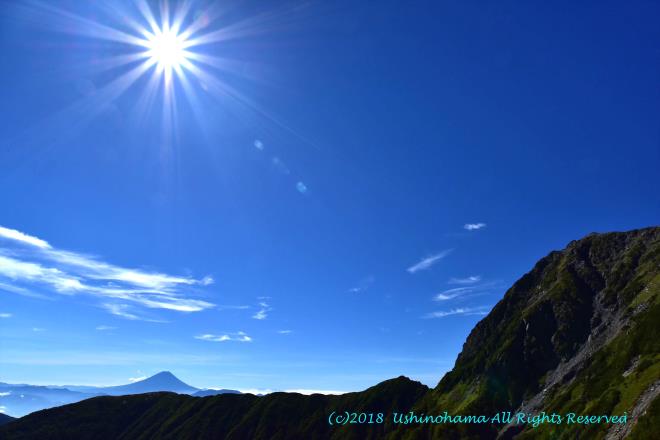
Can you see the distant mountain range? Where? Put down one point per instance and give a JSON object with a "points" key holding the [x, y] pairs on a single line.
{"points": [[163, 381], [19, 400], [579, 334], [207, 393]]}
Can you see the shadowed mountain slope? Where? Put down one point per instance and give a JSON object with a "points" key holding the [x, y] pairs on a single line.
{"points": [[236, 416], [4, 418]]}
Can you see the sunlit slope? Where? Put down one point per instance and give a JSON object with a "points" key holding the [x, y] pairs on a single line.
{"points": [[578, 333]]}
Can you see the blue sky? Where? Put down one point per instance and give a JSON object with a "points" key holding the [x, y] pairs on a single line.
{"points": [[332, 195]]}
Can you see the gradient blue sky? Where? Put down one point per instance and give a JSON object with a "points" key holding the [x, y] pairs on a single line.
{"points": [[302, 224]]}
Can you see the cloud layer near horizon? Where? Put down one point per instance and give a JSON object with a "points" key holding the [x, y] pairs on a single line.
{"points": [[31, 266]]}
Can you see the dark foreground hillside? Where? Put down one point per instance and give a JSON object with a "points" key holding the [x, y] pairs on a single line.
{"points": [[237, 416], [578, 333]]}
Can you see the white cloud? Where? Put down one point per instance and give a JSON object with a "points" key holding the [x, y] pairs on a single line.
{"points": [[103, 328], [120, 310], [65, 272], [258, 144], [263, 312], [471, 290], [308, 391], [38, 329], [13, 234], [363, 285], [5, 394], [481, 310], [301, 187], [474, 226], [443, 297], [231, 307], [207, 280], [17, 270], [6, 315], [429, 261], [467, 280], [20, 291], [237, 337], [285, 332], [136, 379]]}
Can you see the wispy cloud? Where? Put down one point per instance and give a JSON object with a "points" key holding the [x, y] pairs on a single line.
{"points": [[13, 234], [285, 332], [231, 307], [451, 293], [38, 329], [105, 328], [129, 311], [136, 379], [44, 268], [429, 261], [21, 291], [120, 310], [307, 391], [467, 280], [480, 310], [237, 337], [471, 290], [261, 314], [6, 315], [362, 285], [474, 226], [263, 311]]}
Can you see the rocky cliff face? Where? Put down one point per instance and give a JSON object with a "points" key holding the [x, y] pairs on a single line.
{"points": [[578, 333]]}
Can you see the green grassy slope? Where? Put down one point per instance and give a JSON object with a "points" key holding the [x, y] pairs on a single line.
{"points": [[578, 333]]}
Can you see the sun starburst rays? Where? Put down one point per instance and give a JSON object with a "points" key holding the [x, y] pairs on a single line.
{"points": [[160, 43], [151, 56]]}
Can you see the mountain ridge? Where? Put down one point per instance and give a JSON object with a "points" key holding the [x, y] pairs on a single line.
{"points": [[161, 381], [4, 418], [22, 399]]}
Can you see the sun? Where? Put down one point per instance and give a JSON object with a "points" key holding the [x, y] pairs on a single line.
{"points": [[167, 49], [170, 44]]}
